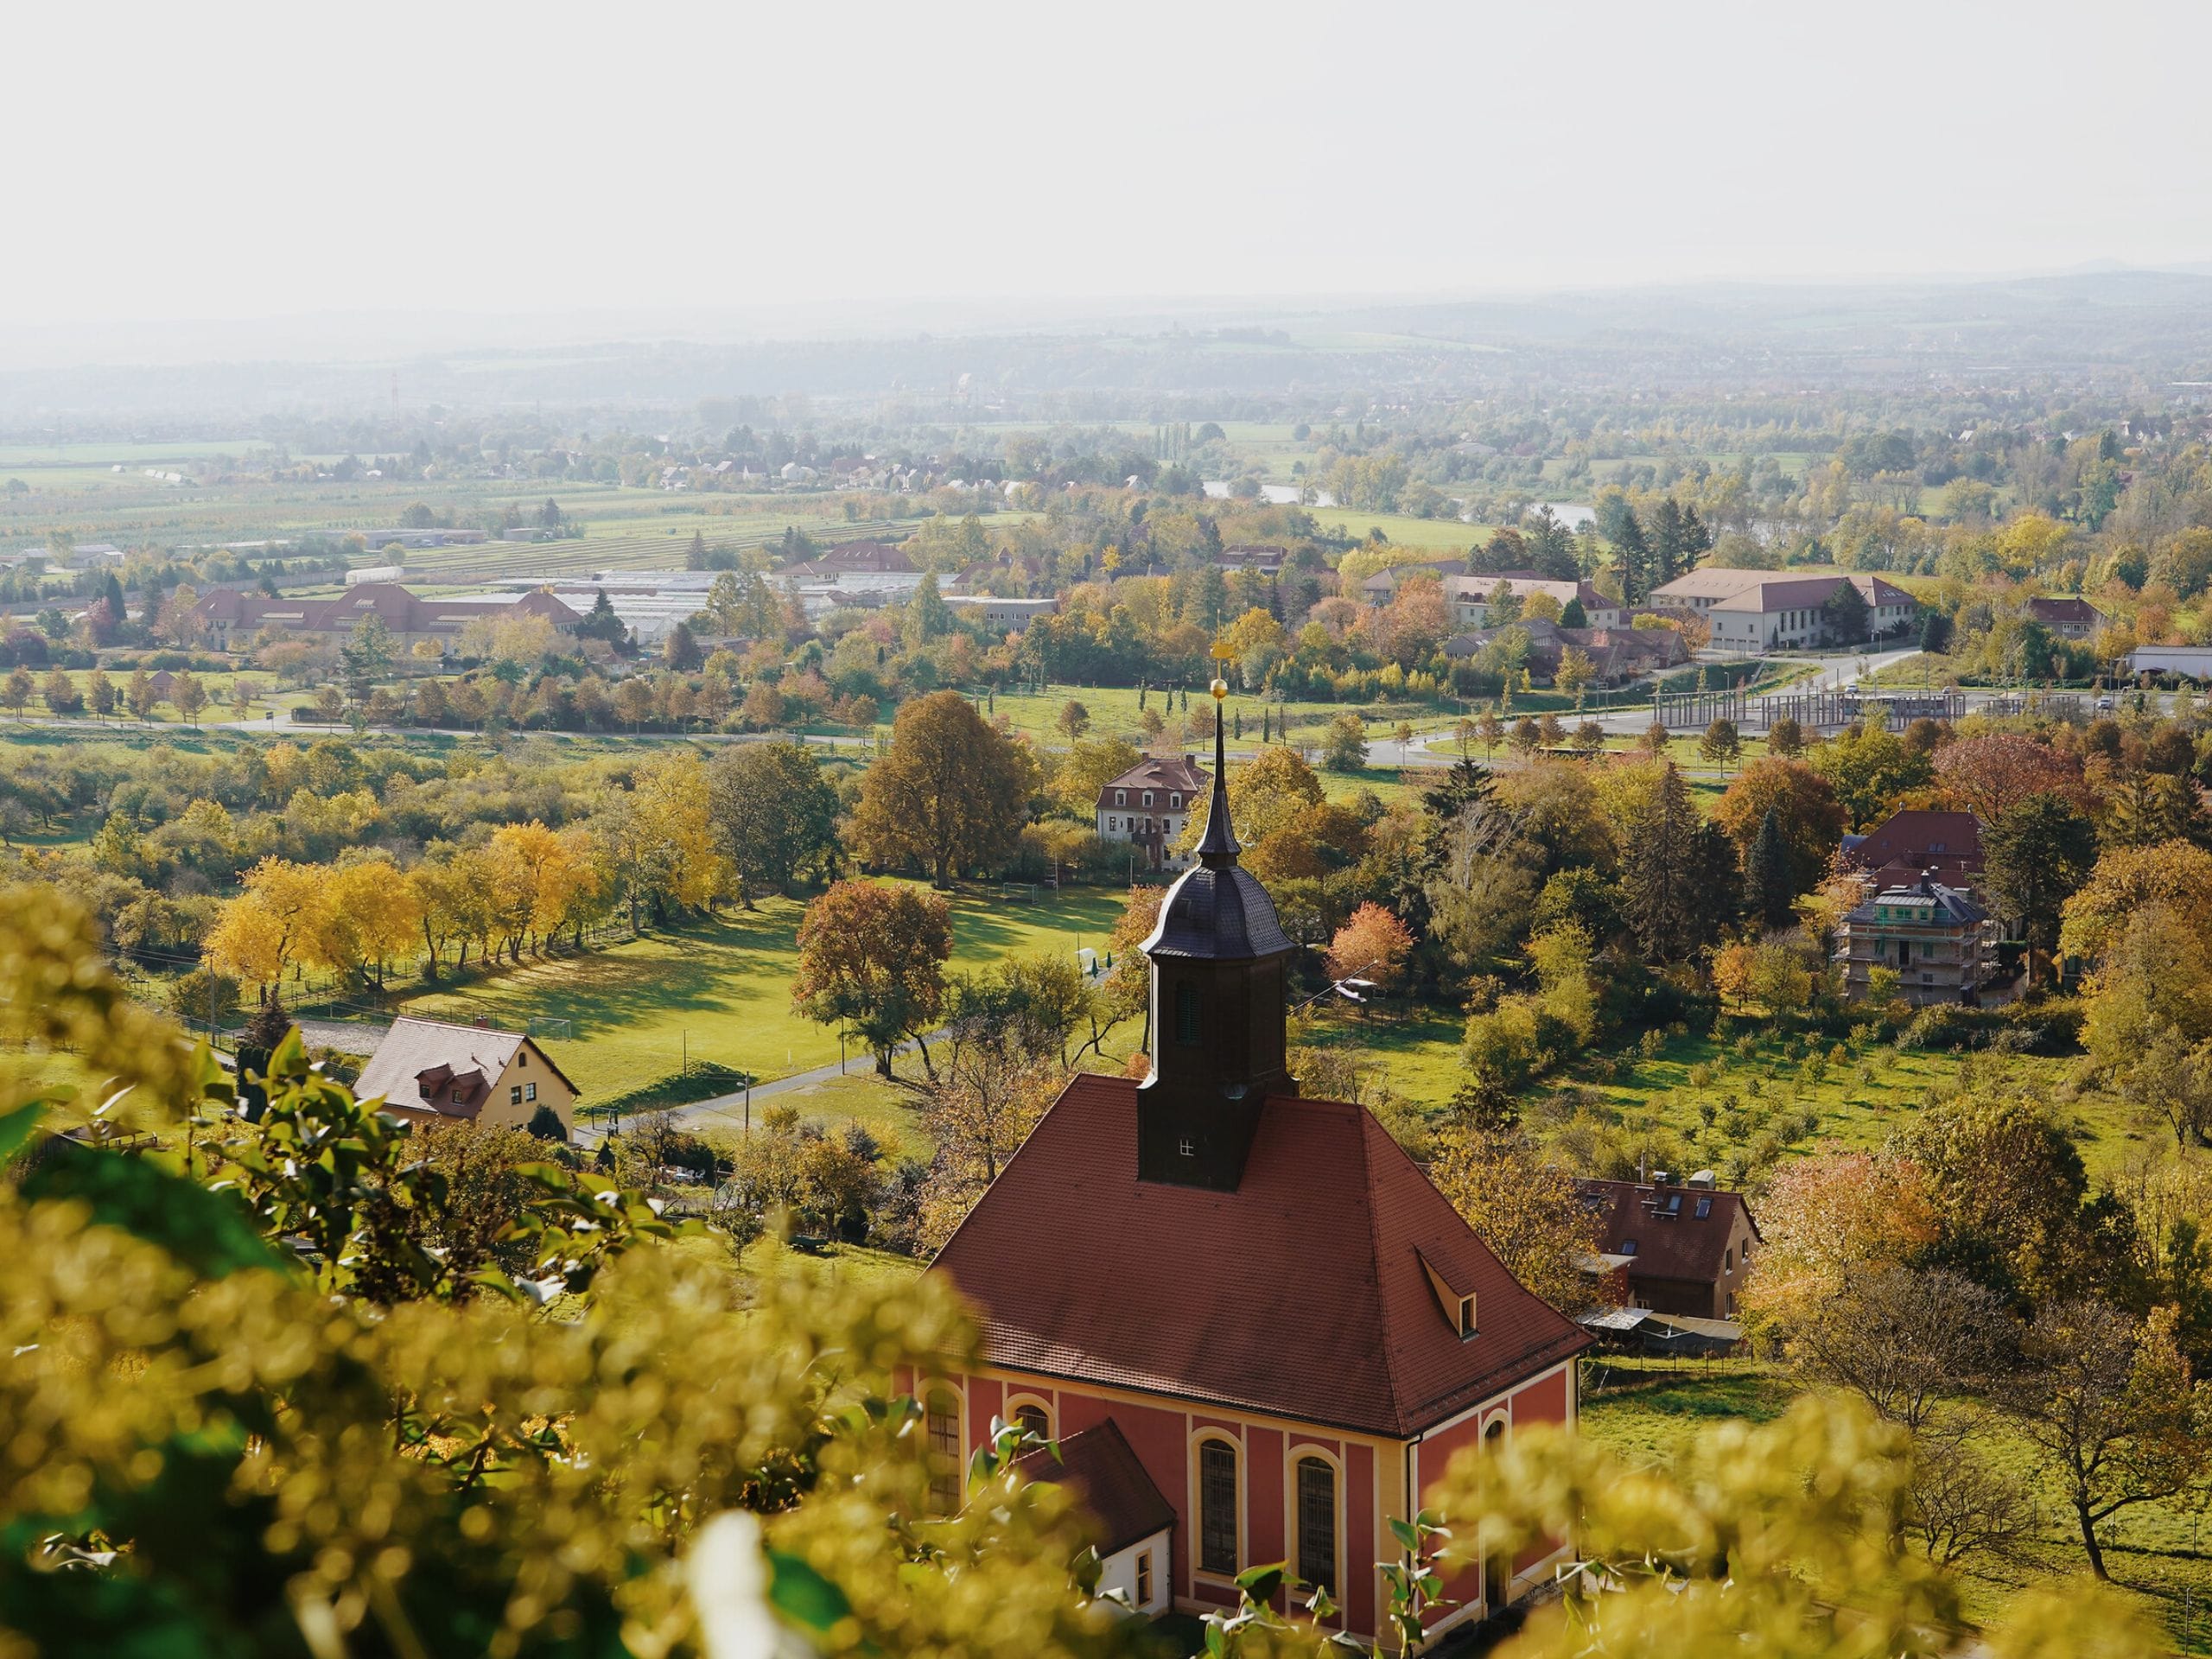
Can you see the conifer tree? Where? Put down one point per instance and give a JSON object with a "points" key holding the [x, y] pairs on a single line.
{"points": [[1632, 557], [1679, 878], [1767, 878], [1667, 541]]}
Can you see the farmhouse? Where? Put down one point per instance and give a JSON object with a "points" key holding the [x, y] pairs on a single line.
{"points": [[1771, 610], [1289, 1327], [2070, 618], [1148, 805], [1674, 1248], [428, 1071], [231, 618]]}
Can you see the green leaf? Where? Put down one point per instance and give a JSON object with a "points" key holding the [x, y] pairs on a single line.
{"points": [[1216, 1640], [17, 1128], [1260, 1583], [802, 1595], [206, 1232], [1407, 1534]]}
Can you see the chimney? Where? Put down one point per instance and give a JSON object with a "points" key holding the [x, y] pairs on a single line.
{"points": [[483, 1022]]}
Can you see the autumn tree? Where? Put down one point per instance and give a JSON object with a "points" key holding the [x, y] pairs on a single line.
{"points": [[1989, 774], [1373, 944], [949, 794], [2128, 880], [1808, 818], [190, 697], [1126, 986], [774, 815], [371, 914], [1832, 1219], [1088, 766], [1524, 1208], [2111, 1405], [260, 933], [1785, 737], [1073, 720], [871, 959], [656, 839]]}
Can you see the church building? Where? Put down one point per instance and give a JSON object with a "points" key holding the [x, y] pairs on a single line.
{"points": [[1253, 1303]]}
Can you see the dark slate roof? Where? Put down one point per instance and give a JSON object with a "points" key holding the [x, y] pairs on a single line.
{"points": [[1099, 1465], [1671, 1240], [1953, 907], [1306, 1293], [1223, 915]]}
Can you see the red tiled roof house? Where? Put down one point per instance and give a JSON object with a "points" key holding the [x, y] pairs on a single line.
{"points": [[1260, 1295]]}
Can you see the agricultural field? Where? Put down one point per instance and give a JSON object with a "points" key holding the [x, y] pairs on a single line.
{"points": [[1647, 1409], [1439, 535]]}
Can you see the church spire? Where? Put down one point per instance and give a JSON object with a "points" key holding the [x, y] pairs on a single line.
{"points": [[1219, 847], [1219, 966]]}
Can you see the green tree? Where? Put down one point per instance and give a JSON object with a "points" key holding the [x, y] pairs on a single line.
{"points": [[1344, 744], [1770, 881], [1678, 873], [928, 617], [774, 814], [1843, 615], [1721, 744], [2035, 857]]}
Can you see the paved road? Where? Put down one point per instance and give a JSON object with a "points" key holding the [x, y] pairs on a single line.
{"points": [[731, 1112]]}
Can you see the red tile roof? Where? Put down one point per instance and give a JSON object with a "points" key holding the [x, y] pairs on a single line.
{"points": [[1914, 840], [1302, 1293], [1102, 1468], [1676, 1243]]}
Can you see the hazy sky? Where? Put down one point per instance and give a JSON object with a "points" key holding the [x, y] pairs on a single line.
{"points": [[233, 161]]}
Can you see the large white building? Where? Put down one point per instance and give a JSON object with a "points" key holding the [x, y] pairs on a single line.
{"points": [[1780, 610], [1148, 805]]}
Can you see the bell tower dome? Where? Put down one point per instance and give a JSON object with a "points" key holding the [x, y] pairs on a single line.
{"points": [[1219, 958]]}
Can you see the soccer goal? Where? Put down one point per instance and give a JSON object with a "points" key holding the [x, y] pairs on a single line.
{"points": [[546, 1026]]}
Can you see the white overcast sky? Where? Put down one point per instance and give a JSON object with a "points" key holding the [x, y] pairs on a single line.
{"points": [[227, 161]]}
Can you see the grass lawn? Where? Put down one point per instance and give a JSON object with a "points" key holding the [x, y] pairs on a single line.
{"points": [[1403, 532], [722, 986], [1114, 713]]}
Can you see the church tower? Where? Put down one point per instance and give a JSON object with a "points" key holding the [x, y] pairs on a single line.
{"points": [[1219, 958]]}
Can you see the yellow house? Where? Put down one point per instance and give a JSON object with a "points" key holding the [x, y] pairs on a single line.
{"points": [[429, 1071]]}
